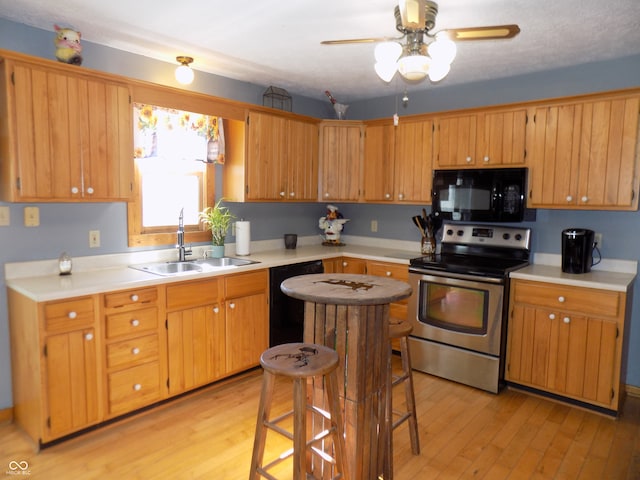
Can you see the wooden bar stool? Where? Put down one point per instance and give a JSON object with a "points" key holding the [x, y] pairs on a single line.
{"points": [[302, 362], [400, 329]]}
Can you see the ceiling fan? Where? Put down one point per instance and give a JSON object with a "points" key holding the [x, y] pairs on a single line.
{"points": [[420, 51]]}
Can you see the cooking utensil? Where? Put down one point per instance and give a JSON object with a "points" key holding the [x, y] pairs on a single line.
{"points": [[419, 222]]}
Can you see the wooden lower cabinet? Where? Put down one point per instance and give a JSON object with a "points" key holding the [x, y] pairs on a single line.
{"points": [[567, 341], [396, 271], [55, 365], [344, 265], [134, 338]]}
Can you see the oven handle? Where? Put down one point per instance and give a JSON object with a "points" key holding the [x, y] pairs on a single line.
{"points": [[459, 276]]}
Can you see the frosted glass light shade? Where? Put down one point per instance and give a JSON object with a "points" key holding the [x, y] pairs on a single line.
{"points": [[414, 67], [184, 74], [386, 70], [443, 50], [438, 71], [387, 52]]}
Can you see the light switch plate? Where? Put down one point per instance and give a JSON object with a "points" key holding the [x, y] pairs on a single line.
{"points": [[5, 219], [31, 216]]}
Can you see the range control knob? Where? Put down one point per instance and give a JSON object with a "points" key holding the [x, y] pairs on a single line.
{"points": [[506, 236], [518, 237], [449, 231], [460, 232]]}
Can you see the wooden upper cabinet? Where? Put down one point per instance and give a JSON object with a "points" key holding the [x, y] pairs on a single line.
{"points": [[584, 155], [69, 135], [397, 163], [455, 141], [341, 148], [282, 158]]}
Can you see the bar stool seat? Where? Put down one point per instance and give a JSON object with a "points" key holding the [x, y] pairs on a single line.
{"points": [[303, 363], [401, 329]]}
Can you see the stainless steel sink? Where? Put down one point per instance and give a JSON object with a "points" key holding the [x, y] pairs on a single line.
{"points": [[171, 269]]}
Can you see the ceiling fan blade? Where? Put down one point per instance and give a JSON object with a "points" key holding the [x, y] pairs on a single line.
{"points": [[496, 32], [357, 40]]}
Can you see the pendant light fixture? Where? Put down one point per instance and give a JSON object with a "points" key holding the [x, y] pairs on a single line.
{"points": [[184, 73]]}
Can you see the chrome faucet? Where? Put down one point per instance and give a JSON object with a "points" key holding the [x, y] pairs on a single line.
{"points": [[183, 252]]}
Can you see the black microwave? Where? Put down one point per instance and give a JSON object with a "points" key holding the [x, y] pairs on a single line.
{"points": [[480, 195]]}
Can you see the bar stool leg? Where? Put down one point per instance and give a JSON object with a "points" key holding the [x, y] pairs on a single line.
{"points": [[410, 395], [264, 409], [299, 429]]}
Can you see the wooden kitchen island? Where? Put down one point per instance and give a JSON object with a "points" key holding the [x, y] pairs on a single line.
{"points": [[351, 314]]}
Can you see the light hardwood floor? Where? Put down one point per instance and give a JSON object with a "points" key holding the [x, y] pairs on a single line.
{"points": [[464, 434]]}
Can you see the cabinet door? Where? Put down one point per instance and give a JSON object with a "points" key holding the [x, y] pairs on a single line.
{"points": [[266, 152], [196, 347], [501, 138], [413, 161], [247, 331], [455, 141], [378, 165], [341, 152], [72, 136], [302, 162], [72, 381]]}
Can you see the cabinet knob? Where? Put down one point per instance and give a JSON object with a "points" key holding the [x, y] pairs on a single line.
{"points": [[282, 194], [134, 298], [74, 190], [90, 190], [135, 322], [387, 196], [88, 337], [584, 199], [552, 316], [388, 274], [216, 309], [326, 195], [468, 159], [486, 159], [561, 299], [401, 196], [135, 350], [72, 315], [232, 305], [137, 387], [566, 320], [292, 194], [569, 198]]}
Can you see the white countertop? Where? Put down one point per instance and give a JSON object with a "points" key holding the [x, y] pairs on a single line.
{"points": [[40, 281]]}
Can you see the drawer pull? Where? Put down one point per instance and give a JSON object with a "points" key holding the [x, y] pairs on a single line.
{"points": [[388, 274], [561, 299], [552, 316], [135, 322], [137, 387], [216, 310], [134, 298], [566, 320], [135, 350], [486, 159], [344, 264], [468, 159], [569, 198], [232, 305], [88, 337], [72, 315]]}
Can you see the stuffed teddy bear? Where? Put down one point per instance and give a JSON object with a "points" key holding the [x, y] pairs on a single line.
{"points": [[68, 46]]}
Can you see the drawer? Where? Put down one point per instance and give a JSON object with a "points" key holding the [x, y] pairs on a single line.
{"points": [[140, 296], [246, 284], [134, 387], [389, 270], [588, 301], [132, 322], [129, 352], [69, 314], [191, 294]]}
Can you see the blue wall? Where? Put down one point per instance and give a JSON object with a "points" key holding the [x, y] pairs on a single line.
{"points": [[65, 227]]}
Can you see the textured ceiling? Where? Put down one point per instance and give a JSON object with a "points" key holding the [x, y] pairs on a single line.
{"points": [[275, 42]]}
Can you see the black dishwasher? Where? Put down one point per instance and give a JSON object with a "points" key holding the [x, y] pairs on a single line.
{"points": [[286, 314]]}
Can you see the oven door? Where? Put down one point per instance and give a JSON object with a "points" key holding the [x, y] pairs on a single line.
{"points": [[457, 310]]}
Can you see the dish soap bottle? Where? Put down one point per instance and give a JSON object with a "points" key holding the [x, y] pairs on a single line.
{"points": [[64, 264]]}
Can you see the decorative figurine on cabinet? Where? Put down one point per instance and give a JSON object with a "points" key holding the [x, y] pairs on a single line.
{"points": [[332, 224], [68, 46]]}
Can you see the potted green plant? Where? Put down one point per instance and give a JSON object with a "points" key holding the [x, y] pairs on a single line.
{"points": [[217, 219]]}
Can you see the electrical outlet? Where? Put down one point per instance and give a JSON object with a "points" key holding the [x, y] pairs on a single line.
{"points": [[31, 216], [374, 225], [94, 238], [598, 239], [5, 219]]}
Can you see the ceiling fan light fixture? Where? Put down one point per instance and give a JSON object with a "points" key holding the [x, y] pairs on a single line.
{"points": [[388, 52], [443, 49], [184, 73], [386, 70], [438, 71], [412, 13], [414, 67]]}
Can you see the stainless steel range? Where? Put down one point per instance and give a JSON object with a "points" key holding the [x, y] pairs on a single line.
{"points": [[459, 311]]}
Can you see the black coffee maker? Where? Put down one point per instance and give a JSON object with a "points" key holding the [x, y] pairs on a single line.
{"points": [[577, 250]]}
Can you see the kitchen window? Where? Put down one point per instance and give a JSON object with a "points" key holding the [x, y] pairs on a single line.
{"points": [[174, 153]]}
